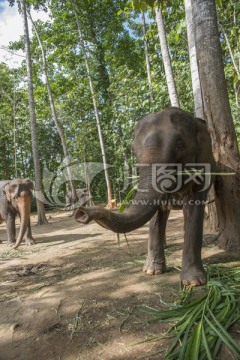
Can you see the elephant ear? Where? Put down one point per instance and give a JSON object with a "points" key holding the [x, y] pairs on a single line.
{"points": [[10, 190], [28, 182]]}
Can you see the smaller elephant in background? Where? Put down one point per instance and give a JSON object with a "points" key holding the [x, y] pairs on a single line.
{"points": [[82, 198], [15, 199]]}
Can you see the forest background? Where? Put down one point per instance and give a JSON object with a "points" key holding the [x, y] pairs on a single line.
{"points": [[113, 39]]}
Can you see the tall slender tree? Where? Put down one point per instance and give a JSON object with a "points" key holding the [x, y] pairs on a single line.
{"points": [[54, 113], [197, 93], [92, 22], [36, 159], [166, 58], [96, 111], [147, 57], [167, 63]]}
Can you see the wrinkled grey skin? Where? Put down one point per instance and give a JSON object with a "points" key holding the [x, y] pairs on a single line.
{"points": [[167, 137], [15, 199], [82, 197]]}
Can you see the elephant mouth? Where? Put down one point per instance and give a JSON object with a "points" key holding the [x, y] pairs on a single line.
{"points": [[81, 216]]}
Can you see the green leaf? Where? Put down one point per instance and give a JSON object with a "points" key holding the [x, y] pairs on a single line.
{"points": [[205, 344], [223, 335], [194, 354], [127, 199]]}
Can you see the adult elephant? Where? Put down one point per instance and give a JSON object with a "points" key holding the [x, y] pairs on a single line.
{"points": [[175, 158], [15, 199]]}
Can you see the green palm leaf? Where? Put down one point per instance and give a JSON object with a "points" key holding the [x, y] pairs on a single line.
{"points": [[200, 327]]}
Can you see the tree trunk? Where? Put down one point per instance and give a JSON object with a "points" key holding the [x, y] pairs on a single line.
{"points": [[197, 93], [37, 170], [211, 219], [220, 122], [166, 58], [14, 133], [87, 179], [147, 58], [54, 114], [109, 190]]}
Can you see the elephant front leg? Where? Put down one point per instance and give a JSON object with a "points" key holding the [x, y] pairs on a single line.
{"points": [[156, 263], [193, 272], [11, 229], [29, 238]]}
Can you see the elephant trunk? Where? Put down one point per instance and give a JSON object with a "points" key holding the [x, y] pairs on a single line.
{"points": [[142, 208], [24, 207]]}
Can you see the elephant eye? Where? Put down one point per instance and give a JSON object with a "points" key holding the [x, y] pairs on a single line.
{"points": [[179, 144]]}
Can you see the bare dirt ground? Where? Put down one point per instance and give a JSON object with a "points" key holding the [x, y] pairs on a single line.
{"points": [[75, 295]]}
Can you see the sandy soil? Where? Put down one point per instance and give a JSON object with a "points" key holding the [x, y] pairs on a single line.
{"points": [[76, 294]]}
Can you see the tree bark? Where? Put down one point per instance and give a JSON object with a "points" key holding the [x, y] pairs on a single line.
{"points": [[147, 59], [37, 170], [211, 219], [197, 93], [220, 122], [166, 58], [14, 133], [105, 165], [54, 114]]}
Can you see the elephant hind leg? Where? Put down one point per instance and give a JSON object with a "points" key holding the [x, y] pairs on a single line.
{"points": [[155, 263]]}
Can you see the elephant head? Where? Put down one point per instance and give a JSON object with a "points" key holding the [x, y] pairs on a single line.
{"points": [[171, 136], [19, 195]]}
